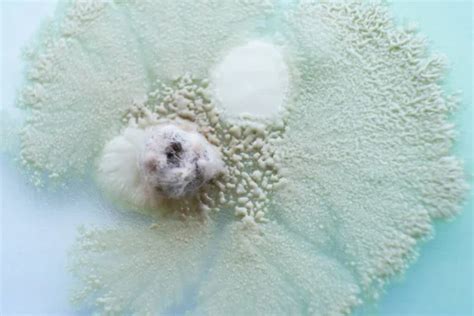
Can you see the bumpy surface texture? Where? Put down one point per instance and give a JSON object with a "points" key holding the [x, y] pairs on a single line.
{"points": [[318, 209]]}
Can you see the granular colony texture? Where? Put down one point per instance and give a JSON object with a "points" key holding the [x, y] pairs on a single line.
{"points": [[320, 204]]}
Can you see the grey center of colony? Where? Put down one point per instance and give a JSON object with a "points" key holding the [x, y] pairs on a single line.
{"points": [[177, 162]]}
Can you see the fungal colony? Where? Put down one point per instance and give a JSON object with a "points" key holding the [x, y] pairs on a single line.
{"points": [[288, 157]]}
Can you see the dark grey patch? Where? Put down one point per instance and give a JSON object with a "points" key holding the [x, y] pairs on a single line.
{"points": [[173, 154]]}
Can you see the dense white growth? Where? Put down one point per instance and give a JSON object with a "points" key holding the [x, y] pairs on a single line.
{"points": [[177, 160], [317, 210], [144, 166], [252, 78], [119, 172]]}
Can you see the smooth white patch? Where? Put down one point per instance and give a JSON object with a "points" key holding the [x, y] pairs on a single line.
{"points": [[252, 79]]}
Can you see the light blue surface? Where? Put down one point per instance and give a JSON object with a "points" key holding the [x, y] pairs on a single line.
{"points": [[34, 279]]}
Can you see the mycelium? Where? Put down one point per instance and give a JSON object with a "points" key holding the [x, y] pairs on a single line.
{"points": [[320, 203], [165, 162]]}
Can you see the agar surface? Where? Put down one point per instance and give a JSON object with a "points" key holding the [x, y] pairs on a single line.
{"points": [[319, 207]]}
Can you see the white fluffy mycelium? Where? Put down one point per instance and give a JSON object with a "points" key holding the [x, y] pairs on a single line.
{"points": [[144, 166], [317, 209]]}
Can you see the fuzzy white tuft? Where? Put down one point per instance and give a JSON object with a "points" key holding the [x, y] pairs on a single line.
{"points": [[141, 167]]}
